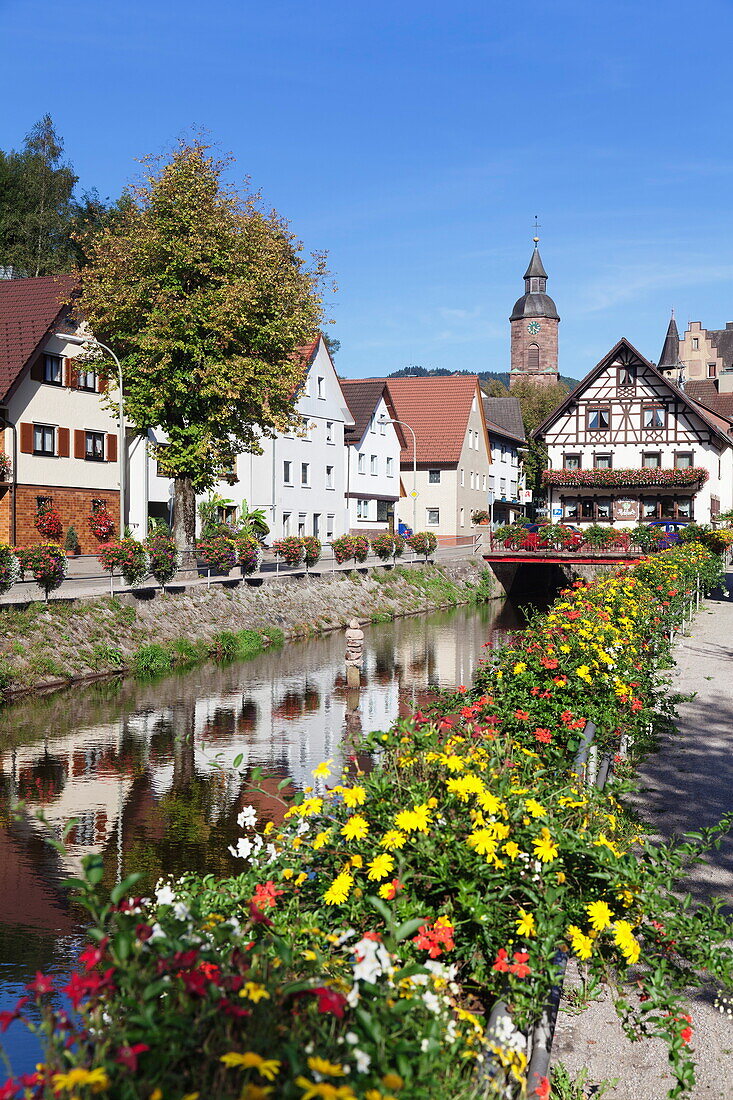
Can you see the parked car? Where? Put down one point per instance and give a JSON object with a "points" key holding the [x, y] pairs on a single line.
{"points": [[671, 529]]}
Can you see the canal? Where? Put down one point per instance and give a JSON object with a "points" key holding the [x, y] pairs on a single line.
{"points": [[147, 770]]}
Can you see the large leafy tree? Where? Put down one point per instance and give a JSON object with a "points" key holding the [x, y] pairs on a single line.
{"points": [[536, 402], [204, 297]]}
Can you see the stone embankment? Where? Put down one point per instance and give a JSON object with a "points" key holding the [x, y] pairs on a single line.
{"points": [[46, 646]]}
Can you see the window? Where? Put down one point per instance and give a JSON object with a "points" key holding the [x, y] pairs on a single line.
{"points": [[382, 427], [484, 482], [305, 473], [533, 357], [316, 525], [711, 370], [44, 504], [432, 516], [94, 446], [373, 465], [434, 477], [226, 513], [383, 511], [513, 489], [602, 462], [329, 431], [502, 487], [603, 509], [372, 426], [570, 509], [652, 460], [683, 460], [695, 343], [470, 479], [473, 403], [667, 508], [462, 519], [599, 420], [320, 387], [627, 376], [492, 483], [286, 523], [587, 508], [684, 508], [329, 526], [504, 452], [87, 380], [654, 416], [650, 509], [288, 472], [43, 440], [362, 509], [302, 519], [390, 467], [572, 462], [329, 477], [361, 466], [52, 370]]}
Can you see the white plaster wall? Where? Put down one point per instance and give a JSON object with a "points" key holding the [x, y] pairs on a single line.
{"points": [[380, 440]]}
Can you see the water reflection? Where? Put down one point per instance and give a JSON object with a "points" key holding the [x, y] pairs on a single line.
{"points": [[147, 770]]}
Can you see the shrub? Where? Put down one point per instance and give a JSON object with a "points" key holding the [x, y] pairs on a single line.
{"points": [[249, 552], [164, 557], [10, 569], [361, 547], [152, 660], [46, 562], [311, 549], [71, 542], [290, 549], [48, 523], [399, 546], [102, 525], [480, 516], [383, 545], [423, 542], [127, 556], [718, 541], [218, 552]]}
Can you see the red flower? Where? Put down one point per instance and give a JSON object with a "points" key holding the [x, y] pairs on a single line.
{"points": [[211, 971], [234, 1010], [330, 1003], [686, 1032], [523, 715], [636, 705], [430, 939], [258, 916], [543, 1089], [548, 662], [500, 962], [128, 1056], [42, 983], [543, 735], [9, 1089], [7, 1018], [519, 966], [265, 896], [393, 889], [91, 955]]}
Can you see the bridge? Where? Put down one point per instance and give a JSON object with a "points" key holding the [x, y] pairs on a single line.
{"points": [[548, 568]]}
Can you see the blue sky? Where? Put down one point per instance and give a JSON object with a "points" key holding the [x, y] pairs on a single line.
{"points": [[415, 142]]}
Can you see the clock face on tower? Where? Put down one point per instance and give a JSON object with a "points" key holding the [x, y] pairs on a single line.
{"points": [[533, 328]]}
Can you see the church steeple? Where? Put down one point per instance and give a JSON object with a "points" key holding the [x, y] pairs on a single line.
{"points": [[535, 273], [670, 357], [534, 322]]}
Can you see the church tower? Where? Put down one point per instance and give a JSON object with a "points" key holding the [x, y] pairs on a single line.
{"points": [[669, 361], [534, 322]]}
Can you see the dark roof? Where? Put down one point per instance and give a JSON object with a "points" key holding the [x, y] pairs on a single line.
{"points": [[720, 427], [670, 356], [362, 397], [537, 304], [536, 268], [28, 311], [722, 338], [504, 416], [705, 392]]}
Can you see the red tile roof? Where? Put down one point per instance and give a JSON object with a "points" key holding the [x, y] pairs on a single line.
{"points": [[28, 310], [705, 392], [437, 409], [307, 351]]}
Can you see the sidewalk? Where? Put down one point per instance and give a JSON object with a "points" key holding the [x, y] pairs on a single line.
{"points": [[686, 785]]}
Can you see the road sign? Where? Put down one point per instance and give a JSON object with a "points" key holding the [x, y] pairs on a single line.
{"points": [[414, 494]]}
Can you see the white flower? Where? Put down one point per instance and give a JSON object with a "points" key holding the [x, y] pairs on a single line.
{"points": [[257, 843], [346, 936], [181, 911], [352, 997], [432, 1001], [351, 1038], [243, 848], [372, 960], [425, 1045], [156, 934], [164, 895], [363, 1061], [271, 853], [247, 819]]}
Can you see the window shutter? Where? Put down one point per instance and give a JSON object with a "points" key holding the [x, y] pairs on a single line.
{"points": [[63, 442], [101, 384], [37, 370], [26, 439], [72, 373], [111, 448], [79, 443]]}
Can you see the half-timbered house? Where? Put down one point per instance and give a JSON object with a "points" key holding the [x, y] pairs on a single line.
{"points": [[628, 446]]}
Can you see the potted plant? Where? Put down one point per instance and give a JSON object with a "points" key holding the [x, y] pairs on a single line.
{"points": [[311, 549], [48, 522], [102, 525], [163, 556], [127, 556], [9, 567], [361, 547], [383, 545], [6, 466], [290, 549], [423, 542], [71, 543], [47, 563], [219, 553], [480, 517], [343, 549]]}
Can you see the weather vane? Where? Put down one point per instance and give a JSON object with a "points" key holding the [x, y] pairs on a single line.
{"points": [[536, 227]]}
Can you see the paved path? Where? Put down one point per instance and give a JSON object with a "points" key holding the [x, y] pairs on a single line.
{"points": [[686, 785]]}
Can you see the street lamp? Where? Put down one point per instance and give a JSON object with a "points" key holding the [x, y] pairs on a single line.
{"points": [[80, 341], [388, 420]]}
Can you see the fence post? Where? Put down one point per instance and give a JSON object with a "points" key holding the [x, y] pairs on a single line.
{"points": [[111, 582]]}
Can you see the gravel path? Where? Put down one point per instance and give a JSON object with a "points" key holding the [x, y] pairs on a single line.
{"points": [[686, 785]]}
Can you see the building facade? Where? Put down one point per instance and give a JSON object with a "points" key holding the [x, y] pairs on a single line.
{"points": [[534, 329], [507, 483], [629, 446], [373, 448]]}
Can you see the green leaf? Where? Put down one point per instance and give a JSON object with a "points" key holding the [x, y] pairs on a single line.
{"points": [[237, 759], [408, 927], [123, 888], [382, 909], [284, 783]]}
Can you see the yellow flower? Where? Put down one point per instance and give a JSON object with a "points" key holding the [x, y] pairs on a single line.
{"points": [[526, 925], [253, 991], [544, 847], [380, 866], [600, 915], [288, 872], [511, 849], [323, 1089], [482, 842], [326, 1068], [96, 1079], [266, 1067], [392, 1081], [582, 944], [310, 806], [584, 673], [338, 891], [256, 1092], [355, 861], [415, 820], [356, 828], [393, 839], [490, 803], [353, 796], [533, 807], [321, 839], [623, 938], [519, 667], [156, 1094], [323, 770]]}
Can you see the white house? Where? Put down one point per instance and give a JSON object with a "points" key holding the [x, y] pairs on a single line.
{"points": [[507, 482], [373, 448], [628, 445]]}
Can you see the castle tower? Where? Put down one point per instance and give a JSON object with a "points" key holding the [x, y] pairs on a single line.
{"points": [[534, 322], [669, 361]]}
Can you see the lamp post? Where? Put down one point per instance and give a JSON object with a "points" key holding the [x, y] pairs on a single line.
{"points": [[388, 420], [80, 341]]}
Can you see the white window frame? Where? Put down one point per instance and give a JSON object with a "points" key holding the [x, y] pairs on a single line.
{"points": [[432, 517], [287, 471], [329, 477], [305, 475]]}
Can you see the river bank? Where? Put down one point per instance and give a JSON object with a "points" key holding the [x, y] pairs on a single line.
{"points": [[44, 647]]}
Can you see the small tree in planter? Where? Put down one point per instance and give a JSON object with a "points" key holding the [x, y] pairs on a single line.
{"points": [[290, 549], [9, 567], [399, 546], [423, 542], [343, 549], [164, 558], [102, 525], [127, 556], [48, 523], [383, 546], [219, 553], [71, 542], [480, 517], [361, 547], [249, 552], [46, 562], [311, 550]]}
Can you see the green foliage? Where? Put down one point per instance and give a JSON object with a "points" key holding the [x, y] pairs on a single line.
{"points": [[151, 661], [105, 656], [71, 541], [237, 645]]}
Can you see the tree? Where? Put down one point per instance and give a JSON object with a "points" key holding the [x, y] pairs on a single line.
{"points": [[536, 403], [494, 388], [332, 344], [204, 297]]}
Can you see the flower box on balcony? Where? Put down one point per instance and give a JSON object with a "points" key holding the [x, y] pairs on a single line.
{"points": [[645, 477]]}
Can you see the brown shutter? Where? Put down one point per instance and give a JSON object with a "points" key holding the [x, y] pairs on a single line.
{"points": [[37, 370], [79, 444], [26, 439], [63, 443], [72, 373], [111, 448], [101, 384]]}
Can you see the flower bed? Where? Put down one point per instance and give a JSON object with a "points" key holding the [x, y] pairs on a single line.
{"points": [[368, 935], [625, 478]]}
